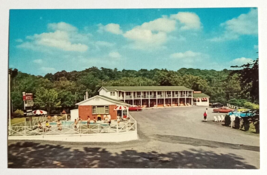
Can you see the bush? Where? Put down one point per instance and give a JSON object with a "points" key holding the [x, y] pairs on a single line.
{"points": [[227, 120], [250, 105], [237, 102], [18, 113]]}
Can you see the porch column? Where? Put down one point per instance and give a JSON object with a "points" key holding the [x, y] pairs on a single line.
{"points": [[149, 99], [178, 102], [132, 98], [124, 96], [164, 98], [192, 98], [184, 97], [157, 98], [171, 98], [141, 98]]}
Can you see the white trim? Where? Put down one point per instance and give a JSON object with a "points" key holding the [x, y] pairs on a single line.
{"points": [[103, 98]]}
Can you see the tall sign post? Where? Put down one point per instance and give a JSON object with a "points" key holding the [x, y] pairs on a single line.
{"points": [[28, 102]]}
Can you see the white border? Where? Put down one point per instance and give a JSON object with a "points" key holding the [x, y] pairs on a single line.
{"points": [[97, 4]]}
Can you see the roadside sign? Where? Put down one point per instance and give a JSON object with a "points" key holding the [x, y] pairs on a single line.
{"points": [[29, 103]]}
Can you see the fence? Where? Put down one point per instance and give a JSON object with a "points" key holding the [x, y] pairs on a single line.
{"points": [[129, 125]]}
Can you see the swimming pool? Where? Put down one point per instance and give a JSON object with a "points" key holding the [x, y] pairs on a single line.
{"points": [[69, 123]]}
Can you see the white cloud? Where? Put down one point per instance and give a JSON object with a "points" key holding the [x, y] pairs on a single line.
{"points": [[48, 69], [112, 28], [190, 58], [188, 19], [104, 43], [19, 40], [153, 34], [64, 37], [38, 61], [142, 37], [159, 25], [241, 61], [114, 55], [62, 26], [187, 54], [245, 24]]}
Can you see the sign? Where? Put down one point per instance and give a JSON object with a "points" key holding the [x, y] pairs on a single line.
{"points": [[29, 103], [27, 96]]}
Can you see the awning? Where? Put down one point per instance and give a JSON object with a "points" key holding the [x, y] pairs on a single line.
{"points": [[121, 108]]}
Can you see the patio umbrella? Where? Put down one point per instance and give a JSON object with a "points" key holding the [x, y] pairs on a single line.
{"points": [[121, 108], [39, 112]]}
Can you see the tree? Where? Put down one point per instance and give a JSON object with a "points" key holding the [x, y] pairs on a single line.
{"points": [[249, 79], [47, 98]]}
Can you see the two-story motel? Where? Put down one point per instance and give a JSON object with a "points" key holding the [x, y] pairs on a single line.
{"points": [[155, 96]]}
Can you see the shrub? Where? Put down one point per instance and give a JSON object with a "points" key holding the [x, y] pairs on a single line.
{"points": [[237, 102], [18, 113], [250, 105], [227, 120]]}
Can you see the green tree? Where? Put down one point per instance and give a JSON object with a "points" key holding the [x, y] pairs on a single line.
{"points": [[249, 79], [47, 98]]}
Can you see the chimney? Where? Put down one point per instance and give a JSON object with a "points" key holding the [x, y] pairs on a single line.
{"points": [[86, 95]]}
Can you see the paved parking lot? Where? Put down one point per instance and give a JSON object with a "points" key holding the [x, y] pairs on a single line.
{"points": [[169, 138]]}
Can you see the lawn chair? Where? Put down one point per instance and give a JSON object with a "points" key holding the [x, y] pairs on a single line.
{"points": [[222, 117], [219, 118], [215, 119]]}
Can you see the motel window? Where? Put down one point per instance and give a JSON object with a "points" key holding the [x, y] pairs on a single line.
{"points": [[100, 109], [204, 100], [128, 93], [159, 93], [112, 93]]}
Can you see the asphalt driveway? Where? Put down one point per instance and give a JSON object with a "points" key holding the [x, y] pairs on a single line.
{"points": [[169, 138]]}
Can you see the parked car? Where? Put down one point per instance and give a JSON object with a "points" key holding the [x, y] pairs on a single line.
{"points": [[135, 108], [223, 110], [216, 105]]}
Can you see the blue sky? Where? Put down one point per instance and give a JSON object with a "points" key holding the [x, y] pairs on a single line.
{"points": [[47, 41]]}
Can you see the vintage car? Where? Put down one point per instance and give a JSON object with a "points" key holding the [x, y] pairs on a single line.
{"points": [[216, 105], [135, 108], [223, 110]]}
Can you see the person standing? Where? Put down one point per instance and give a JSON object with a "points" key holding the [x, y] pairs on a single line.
{"points": [[205, 114]]}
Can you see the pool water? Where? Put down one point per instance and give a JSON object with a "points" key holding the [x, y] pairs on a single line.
{"points": [[69, 123]]}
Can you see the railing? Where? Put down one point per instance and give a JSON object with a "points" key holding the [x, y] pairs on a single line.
{"points": [[168, 95], [128, 125], [128, 97]]}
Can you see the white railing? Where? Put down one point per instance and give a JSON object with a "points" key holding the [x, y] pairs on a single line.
{"points": [[129, 125]]}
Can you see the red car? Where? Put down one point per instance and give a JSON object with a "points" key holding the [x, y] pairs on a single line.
{"points": [[135, 108], [223, 110]]}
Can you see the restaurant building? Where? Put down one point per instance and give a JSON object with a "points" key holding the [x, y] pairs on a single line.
{"points": [[154, 96], [99, 105]]}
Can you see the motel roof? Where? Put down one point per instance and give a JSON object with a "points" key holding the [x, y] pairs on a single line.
{"points": [[117, 102], [145, 88], [200, 95]]}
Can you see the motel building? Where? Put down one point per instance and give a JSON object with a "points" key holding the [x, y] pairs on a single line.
{"points": [[100, 105], [155, 96], [112, 98]]}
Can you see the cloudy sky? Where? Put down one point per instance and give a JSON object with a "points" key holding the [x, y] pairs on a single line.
{"points": [[47, 41]]}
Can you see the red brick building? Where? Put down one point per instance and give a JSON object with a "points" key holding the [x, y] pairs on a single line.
{"points": [[99, 105]]}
